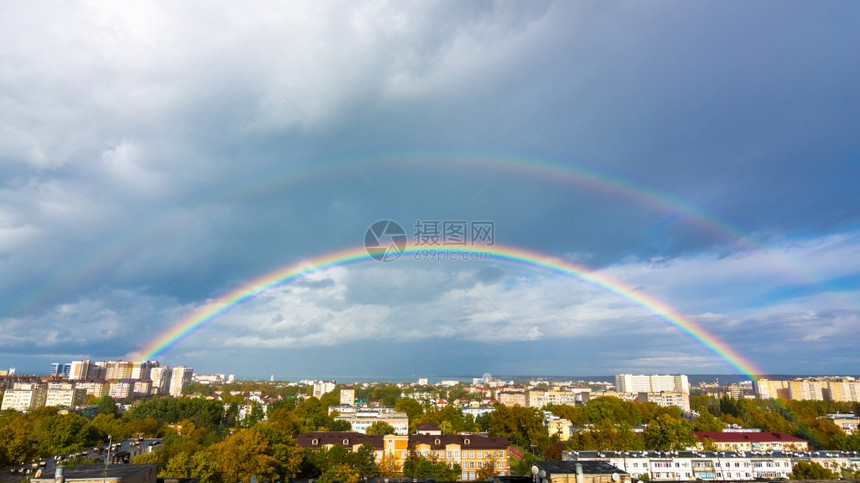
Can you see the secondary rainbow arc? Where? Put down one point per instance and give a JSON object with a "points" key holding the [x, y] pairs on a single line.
{"points": [[115, 248], [508, 254]]}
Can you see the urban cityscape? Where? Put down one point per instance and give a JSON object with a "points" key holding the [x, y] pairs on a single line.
{"points": [[411, 241], [638, 427]]}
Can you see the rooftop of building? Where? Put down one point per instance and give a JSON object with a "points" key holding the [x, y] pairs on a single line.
{"points": [[711, 454], [762, 437], [569, 467], [98, 471]]}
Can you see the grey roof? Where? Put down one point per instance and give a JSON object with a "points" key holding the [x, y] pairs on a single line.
{"points": [[573, 455], [89, 472], [569, 467]]}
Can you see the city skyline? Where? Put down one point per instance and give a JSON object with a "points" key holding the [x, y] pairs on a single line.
{"points": [[627, 188]]}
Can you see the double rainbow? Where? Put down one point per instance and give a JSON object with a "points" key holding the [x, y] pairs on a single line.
{"points": [[500, 253]]}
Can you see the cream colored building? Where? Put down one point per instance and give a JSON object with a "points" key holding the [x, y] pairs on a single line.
{"points": [[666, 399], [513, 398], [347, 396], [64, 394], [839, 389], [180, 377], [24, 396], [636, 383], [362, 418], [160, 377]]}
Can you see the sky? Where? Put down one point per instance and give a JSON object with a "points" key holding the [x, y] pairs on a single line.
{"points": [[157, 156]]}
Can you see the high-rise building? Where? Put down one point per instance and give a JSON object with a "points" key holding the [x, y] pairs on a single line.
{"points": [[160, 380], [116, 370], [323, 387], [636, 383], [24, 397], [83, 370], [347, 396], [140, 371], [62, 369], [180, 377]]}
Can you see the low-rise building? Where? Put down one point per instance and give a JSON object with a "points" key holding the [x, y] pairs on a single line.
{"points": [[692, 465], [760, 441], [846, 422], [361, 418], [513, 398], [667, 399], [64, 394], [24, 396], [471, 452], [580, 472]]}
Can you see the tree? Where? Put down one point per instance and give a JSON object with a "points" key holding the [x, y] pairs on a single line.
{"points": [[488, 471], [106, 405], [411, 407], [243, 455], [388, 467], [809, 470], [708, 423], [667, 434], [380, 427]]}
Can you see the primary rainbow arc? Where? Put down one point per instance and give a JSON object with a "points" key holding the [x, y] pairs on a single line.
{"points": [[508, 254]]}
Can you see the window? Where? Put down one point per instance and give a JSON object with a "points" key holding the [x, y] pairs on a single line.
{"points": [[466, 441], [315, 441], [471, 464], [346, 442], [479, 465], [449, 453], [437, 441], [471, 454]]}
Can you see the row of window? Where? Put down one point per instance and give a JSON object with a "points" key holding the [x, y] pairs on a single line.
{"points": [[706, 464], [466, 454]]}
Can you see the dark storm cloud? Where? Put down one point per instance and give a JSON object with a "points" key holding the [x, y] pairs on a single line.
{"points": [[155, 156]]}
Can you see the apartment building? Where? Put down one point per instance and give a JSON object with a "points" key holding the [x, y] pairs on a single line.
{"points": [[24, 396], [748, 441], [347, 396], [180, 377], [362, 418], [64, 394], [840, 389], [160, 377], [666, 399], [513, 398], [715, 465], [557, 396], [636, 383], [691, 465], [323, 387], [848, 422]]}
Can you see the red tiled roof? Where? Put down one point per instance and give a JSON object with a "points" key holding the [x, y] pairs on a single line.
{"points": [[749, 437]]}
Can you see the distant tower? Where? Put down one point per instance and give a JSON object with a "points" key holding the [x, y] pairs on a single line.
{"points": [[347, 396], [272, 378], [180, 377]]}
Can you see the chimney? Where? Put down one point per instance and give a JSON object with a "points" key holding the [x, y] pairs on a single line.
{"points": [[580, 478], [59, 474]]}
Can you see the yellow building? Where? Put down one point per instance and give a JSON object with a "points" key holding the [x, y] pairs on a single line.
{"points": [[560, 428], [472, 452]]}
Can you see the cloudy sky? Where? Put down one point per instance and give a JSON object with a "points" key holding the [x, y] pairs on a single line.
{"points": [[156, 156]]}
